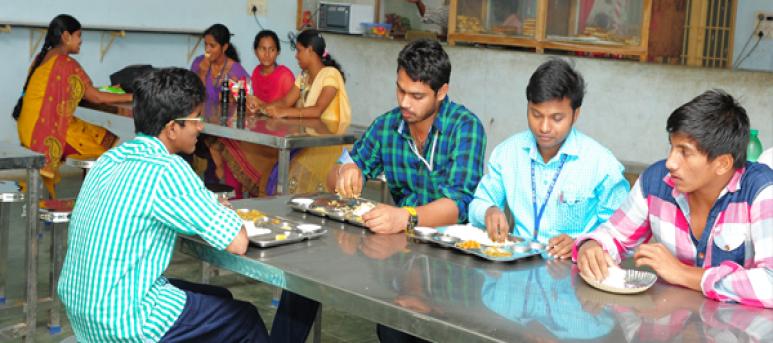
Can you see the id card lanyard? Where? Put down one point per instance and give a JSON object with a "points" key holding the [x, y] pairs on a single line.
{"points": [[538, 213]]}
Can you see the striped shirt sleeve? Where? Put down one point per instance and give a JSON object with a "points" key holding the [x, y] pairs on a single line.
{"points": [[184, 205], [751, 284], [627, 228]]}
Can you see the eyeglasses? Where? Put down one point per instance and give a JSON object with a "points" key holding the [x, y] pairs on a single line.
{"points": [[198, 119]]}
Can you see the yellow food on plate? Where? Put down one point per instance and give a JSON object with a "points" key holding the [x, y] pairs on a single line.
{"points": [[468, 245], [251, 215], [497, 252]]}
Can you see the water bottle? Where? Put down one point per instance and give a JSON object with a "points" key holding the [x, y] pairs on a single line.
{"points": [[754, 150], [241, 106], [224, 102]]}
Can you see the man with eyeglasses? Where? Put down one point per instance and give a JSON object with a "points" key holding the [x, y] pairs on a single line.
{"points": [[134, 202]]}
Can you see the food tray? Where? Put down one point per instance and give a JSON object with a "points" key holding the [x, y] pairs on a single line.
{"points": [[518, 249], [268, 231], [332, 206]]}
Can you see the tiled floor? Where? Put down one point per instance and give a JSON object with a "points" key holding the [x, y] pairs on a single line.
{"points": [[336, 327]]}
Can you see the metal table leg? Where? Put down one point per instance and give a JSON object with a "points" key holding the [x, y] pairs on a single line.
{"points": [[283, 183], [317, 338], [33, 190], [58, 241], [5, 222]]}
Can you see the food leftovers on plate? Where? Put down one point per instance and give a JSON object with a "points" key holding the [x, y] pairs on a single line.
{"points": [[468, 244], [497, 252], [248, 214]]}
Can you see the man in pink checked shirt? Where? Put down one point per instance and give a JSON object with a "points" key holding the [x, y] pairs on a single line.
{"points": [[710, 211]]}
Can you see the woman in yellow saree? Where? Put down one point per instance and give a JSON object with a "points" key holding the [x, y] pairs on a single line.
{"points": [[319, 92], [55, 85]]}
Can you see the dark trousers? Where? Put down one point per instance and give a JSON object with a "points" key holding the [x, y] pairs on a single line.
{"points": [[390, 335], [212, 315], [294, 318]]}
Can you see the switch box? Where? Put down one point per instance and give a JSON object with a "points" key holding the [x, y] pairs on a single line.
{"points": [[765, 24], [260, 7]]}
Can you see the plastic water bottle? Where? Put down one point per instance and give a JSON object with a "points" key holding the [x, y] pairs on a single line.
{"points": [[754, 150]]}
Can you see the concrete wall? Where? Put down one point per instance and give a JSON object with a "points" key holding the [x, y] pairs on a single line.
{"points": [[745, 22], [625, 108]]}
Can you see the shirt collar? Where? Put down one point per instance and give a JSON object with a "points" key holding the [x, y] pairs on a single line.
{"points": [[569, 147], [153, 143], [437, 125], [733, 186]]}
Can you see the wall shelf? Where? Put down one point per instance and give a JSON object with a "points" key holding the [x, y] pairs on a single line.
{"points": [[108, 34]]}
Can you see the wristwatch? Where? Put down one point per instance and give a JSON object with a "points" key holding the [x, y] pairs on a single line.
{"points": [[413, 220]]}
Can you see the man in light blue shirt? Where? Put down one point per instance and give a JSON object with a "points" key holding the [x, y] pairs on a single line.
{"points": [[558, 182]]}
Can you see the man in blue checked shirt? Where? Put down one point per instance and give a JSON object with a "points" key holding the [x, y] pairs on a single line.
{"points": [[431, 151], [429, 148], [558, 182]]}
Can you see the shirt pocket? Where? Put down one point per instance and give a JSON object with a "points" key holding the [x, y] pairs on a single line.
{"points": [[729, 244], [574, 209]]}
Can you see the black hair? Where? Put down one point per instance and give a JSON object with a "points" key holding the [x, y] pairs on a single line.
{"points": [[312, 38], [716, 122], [264, 34], [56, 28], [425, 61], [556, 80], [222, 36], [163, 95]]}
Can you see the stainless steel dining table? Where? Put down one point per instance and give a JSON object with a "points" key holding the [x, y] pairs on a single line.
{"points": [[446, 296]]}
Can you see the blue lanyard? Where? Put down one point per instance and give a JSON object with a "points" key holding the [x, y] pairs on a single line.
{"points": [[538, 214]]}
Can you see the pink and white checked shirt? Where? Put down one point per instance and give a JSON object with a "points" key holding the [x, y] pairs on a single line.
{"points": [[736, 248]]}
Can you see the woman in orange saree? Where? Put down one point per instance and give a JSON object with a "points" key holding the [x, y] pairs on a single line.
{"points": [[45, 113]]}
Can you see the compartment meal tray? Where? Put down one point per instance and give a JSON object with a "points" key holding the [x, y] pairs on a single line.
{"points": [[517, 250], [329, 205]]}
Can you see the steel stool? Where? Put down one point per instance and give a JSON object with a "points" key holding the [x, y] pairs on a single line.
{"points": [[84, 162], [57, 214], [9, 193]]}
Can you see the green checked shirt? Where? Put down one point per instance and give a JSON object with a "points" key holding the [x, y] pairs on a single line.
{"points": [[450, 165], [131, 207]]}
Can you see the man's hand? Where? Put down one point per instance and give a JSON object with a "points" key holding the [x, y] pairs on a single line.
{"points": [[349, 181], [665, 264], [224, 201], [386, 219], [560, 246], [496, 224], [381, 247], [593, 260]]}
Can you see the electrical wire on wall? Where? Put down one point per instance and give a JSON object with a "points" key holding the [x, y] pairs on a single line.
{"points": [[759, 34]]}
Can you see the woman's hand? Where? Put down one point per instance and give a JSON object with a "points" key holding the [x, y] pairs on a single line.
{"points": [[254, 104], [274, 112]]}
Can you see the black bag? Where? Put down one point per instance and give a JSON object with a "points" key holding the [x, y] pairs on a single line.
{"points": [[126, 76], [17, 109]]}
